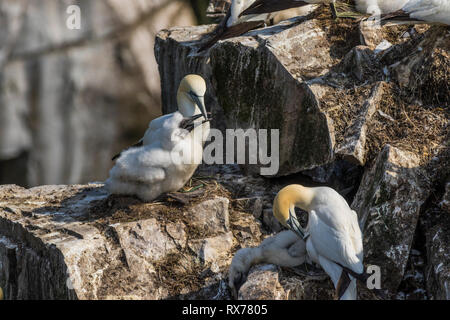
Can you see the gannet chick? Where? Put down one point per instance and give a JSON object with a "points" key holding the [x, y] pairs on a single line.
{"points": [[190, 100], [333, 237], [431, 11], [285, 249], [171, 150]]}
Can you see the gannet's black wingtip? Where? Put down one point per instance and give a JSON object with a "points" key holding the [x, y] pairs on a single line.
{"points": [[269, 6]]}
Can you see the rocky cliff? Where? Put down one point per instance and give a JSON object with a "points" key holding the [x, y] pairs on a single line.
{"points": [[361, 109], [70, 98]]}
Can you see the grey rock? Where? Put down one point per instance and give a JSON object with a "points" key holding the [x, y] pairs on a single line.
{"points": [[262, 284], [210, 217], [77, 242], [388, 204]]}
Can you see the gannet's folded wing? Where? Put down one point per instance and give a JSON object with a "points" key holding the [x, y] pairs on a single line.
{"points": [[431, 11], [268, 6], [335, 241]]}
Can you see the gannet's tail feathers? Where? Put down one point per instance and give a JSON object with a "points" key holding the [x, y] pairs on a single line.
{"points": [[138, 144], [363, 277], [268, 6]]}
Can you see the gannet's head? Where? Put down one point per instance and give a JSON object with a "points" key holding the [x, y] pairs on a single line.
{"points": [[284, 205], [190, 96]]}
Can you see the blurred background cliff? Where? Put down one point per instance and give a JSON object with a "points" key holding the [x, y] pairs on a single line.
{"points": [[70, 99]]}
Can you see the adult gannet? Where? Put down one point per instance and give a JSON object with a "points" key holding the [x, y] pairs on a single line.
{"points": [[190, 100], [171, 150], [333, 237], [432, 11], [372, 7], [285, 249]]}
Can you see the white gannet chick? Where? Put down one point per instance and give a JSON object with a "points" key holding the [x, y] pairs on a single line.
{"points": [[162, 166], [171, 149], [285, 249], [333, 237], [190, 100], [433, 11]]}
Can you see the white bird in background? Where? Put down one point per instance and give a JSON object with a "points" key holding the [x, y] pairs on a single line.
{"points": [[431, 11], [233, 25], [170, 151], [285, 249], [333, 237], [378, 7], [371, 7]]}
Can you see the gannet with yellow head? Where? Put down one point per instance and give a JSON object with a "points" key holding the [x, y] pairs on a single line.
{"points": [[171, 150], [333, 236], [190, 101]]}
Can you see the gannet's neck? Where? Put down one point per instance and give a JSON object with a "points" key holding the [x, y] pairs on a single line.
{"points": [[185, 105], [299, 196]]}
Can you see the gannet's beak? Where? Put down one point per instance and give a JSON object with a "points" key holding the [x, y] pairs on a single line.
{"points": [[295, 226], [200, 102]]}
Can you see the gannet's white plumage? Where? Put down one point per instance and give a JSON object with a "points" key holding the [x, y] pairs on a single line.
{"points": [[372, 7], [376, 7], [285, 249], [333, 233], [429, 10], [170, 154], [237, 6]]}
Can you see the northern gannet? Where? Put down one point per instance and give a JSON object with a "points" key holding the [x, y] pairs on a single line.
{"points": [[431, 11], [372, 7], [190, 101], [171, 149], [285, 249], [333, 237]]}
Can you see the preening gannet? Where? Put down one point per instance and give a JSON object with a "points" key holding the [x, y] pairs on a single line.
{"points": [[285, 249], [333, 237], [190, 100], [171, 151], [431, 11]]}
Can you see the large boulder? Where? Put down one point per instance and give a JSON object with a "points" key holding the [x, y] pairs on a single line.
{"points": [[388, 204], [436, 222], [316, 80]]}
